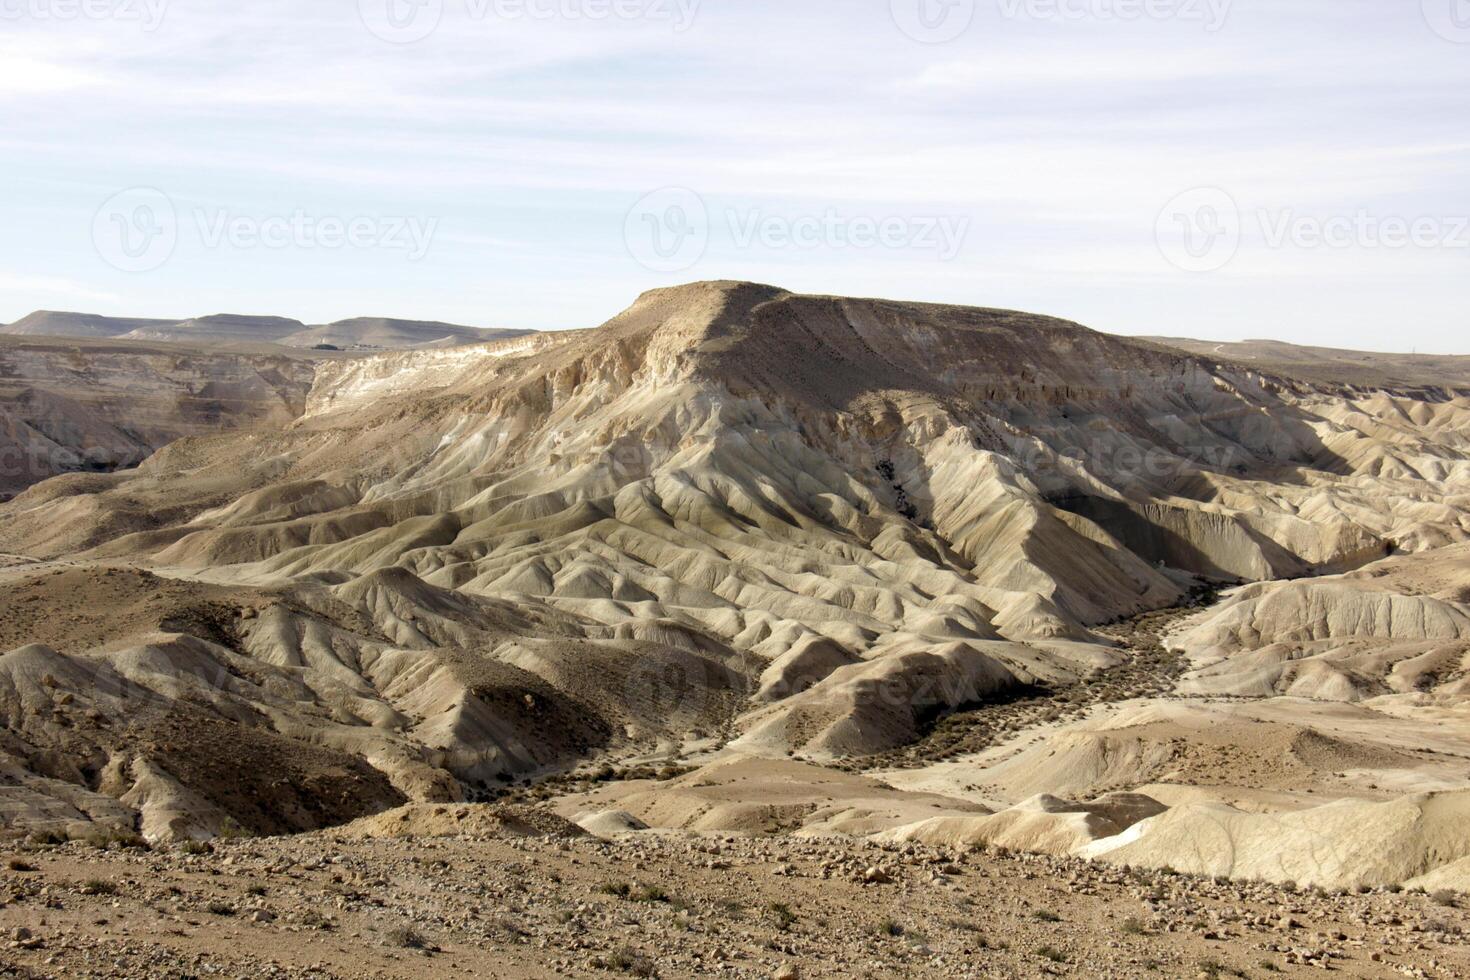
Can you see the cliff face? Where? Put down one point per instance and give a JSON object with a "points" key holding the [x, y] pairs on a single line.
{"points": [[80, 406]]}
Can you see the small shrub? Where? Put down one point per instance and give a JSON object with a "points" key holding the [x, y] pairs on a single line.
{"points": [[629, 961], [104, 839], [99, 886], [258, 891], [890, 928], [652, 894], [195, 847], [509, 928], [1046, 916], [313, 919], [405, 937], [16, 864], [1051, 953], [782, 914], [231, 829], [220, 908], [1445, 897], [1132, 927], [617, 889]]}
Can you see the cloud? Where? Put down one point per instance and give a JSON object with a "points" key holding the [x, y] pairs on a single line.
{"points": [[25, 286], [24, 74]]}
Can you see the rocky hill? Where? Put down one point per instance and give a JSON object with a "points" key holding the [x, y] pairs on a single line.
{"points": [[735, 525]]}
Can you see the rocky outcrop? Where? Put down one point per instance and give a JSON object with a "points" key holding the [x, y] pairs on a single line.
{"points": [[1345, 844], [1341, 638]]}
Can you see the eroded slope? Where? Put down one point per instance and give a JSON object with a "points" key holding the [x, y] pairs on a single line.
{"points": [[730, 514]]}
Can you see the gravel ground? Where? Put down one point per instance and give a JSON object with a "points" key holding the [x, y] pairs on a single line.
{"points": [[324, 905]]}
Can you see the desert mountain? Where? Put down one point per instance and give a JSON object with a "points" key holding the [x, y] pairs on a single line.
{"points": [[738, 520], [228, 329]]}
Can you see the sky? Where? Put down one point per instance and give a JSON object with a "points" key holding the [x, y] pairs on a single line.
{"points": [[1221, 169]]}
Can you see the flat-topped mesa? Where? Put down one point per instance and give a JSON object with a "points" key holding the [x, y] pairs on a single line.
{"points": [[1025, 445], [938, 413], [834, 351]]}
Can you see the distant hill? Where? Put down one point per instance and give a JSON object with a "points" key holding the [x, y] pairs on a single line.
{"points": [[387, 333], [49, 323], [220, 328], [361, 332], [1330, 364]]}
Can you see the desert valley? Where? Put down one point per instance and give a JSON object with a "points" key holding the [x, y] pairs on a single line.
{"points": [[748, 634]]}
